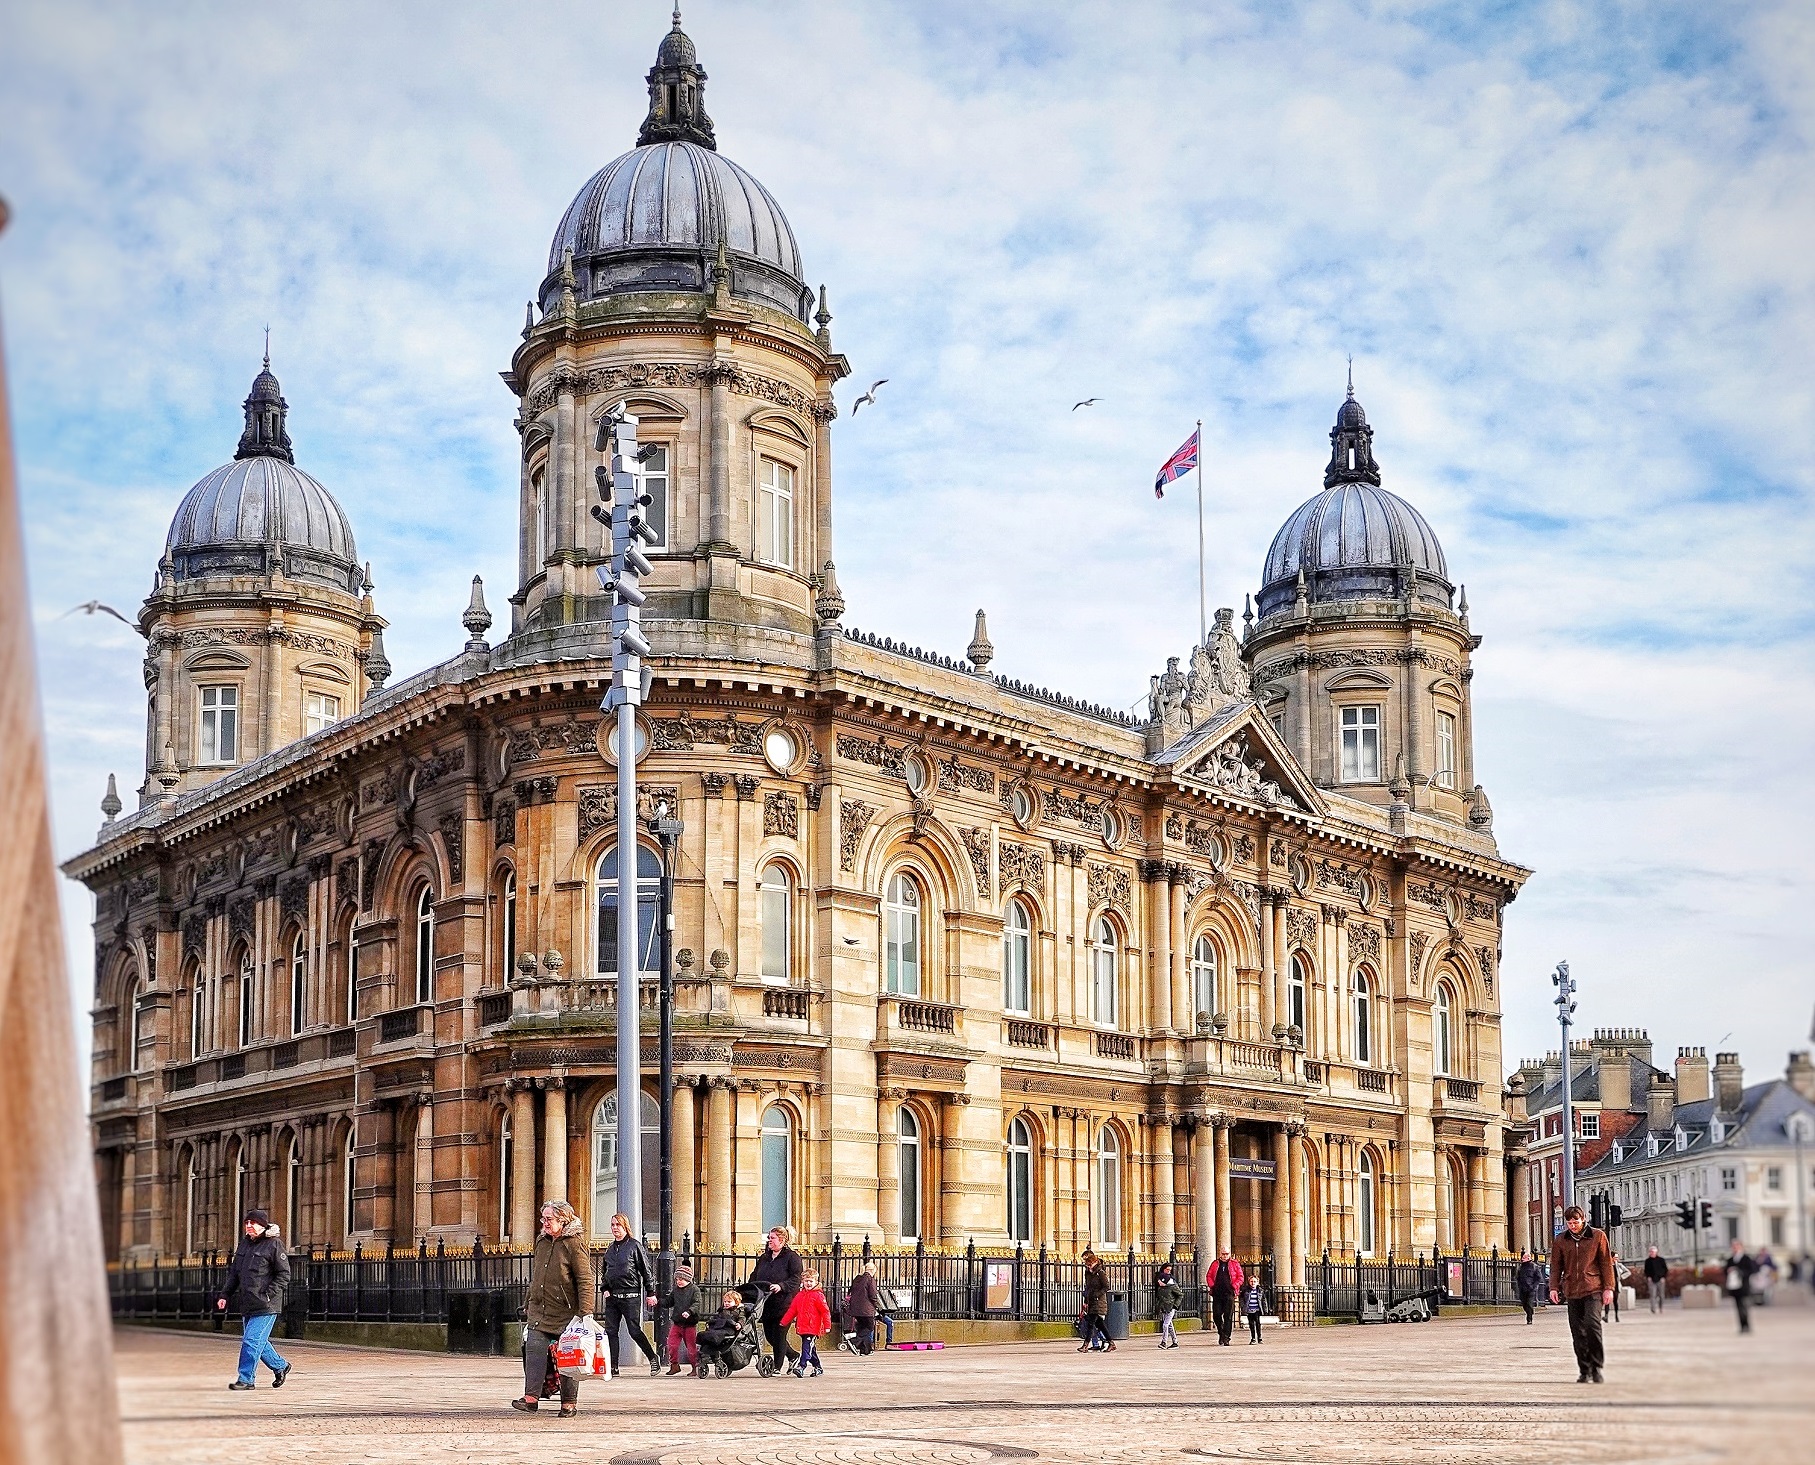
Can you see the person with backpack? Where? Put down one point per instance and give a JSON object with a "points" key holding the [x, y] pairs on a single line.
{"points": [[1253, 1303], [257, 1277], [560, 1290], [1167, 1295], [629, 1285], [1224, 1279]]}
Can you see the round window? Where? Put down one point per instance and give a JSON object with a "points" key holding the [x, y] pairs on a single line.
{"points": [[780, 749], [1364, 892], [1112, 828], [611, 740], [1217, 848], [1021, 805], [915, 771]]}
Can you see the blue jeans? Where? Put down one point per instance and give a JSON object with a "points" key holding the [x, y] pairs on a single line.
{"points": [[255, 1348]]}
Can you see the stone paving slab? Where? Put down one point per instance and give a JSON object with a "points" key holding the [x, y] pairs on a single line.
{"points": [[1683, 1389]]}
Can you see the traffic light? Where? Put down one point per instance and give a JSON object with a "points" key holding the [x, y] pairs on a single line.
{"points": [[1707, 1215], [1685, 1214], [1614, 1213], [1597, 1211], [622, 510]]}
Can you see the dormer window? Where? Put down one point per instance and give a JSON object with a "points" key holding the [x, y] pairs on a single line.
{"points": [[1651, 1146], [1446, 750], [218, 742], [1682, 1138], [1619, 1152]]}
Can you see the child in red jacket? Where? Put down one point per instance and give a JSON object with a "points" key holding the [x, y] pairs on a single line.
{"points": [[811, 1317]]}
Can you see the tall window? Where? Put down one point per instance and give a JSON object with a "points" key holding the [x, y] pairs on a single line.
{"points": [[775, 514], [320, 709], [1103, 972], [508, 925], [901, 918], [1295, 995], [1203, 977], [655, 484], [605, 1161], [425, 945], [776, 1166], [135, 1028], [352, 976], [245, 999], [299, 973], [189, 1190], [346, 1191], [1020, 1182], [1364, 1204], [1360, 744], [219, 725], [649, 898], [538, 486], [777, 906], [1017, 960], [1446, 750], [1441, 1051], [1109, 1188], [239, 1192], [198, 1012], [1364, 1019], [907, 1139], [506, 1166], [293, 1191]]}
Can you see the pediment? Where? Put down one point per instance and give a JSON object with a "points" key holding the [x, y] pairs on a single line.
{"points": [[1237, 754]]}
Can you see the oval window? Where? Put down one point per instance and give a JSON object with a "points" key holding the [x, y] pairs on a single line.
{"points": [[1021, 805], [780, 749]]}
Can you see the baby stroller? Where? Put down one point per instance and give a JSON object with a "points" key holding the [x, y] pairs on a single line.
{"points": [[746, 1345]]}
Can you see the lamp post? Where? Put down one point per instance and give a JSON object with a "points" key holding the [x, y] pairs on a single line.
{"points": [[1798, 1127], [667, 831], [1566, 1006]]}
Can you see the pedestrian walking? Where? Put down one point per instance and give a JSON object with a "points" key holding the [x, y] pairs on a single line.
{"points": [[1620, 1273], [560, 1290], [1167, 1295], [1657, 1279], [1224, 1279], [1529, 1282], [1581, 1275], [811, 1317], [629, 1286], [1252, 1303], [256, 1279], [776, 1277], [862, 1302], [1096, 1304], [683, 1306], [1739, 1272]]}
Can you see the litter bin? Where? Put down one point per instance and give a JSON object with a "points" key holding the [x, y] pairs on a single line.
{"points": [[475, 1323], [1118, 1317]]}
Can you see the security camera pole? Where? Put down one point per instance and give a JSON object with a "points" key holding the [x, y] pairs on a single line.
{"points": [[1566, 1006], [622, 510]]}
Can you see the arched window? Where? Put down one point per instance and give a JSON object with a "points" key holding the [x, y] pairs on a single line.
{"points": [[506, 1167], [293, 1191], [1109, 1188], [346, 1191], [605, 1162], [299, 974], [1103, 1005], [649, 898], [777, 910], [189, 1191], [245, 998], [352, 975], [907, 1138], [1295, 994], [1441, 1051], [238, 1171], [198, 1011], [1364, 1018], [1203, 977], [777, 1166], [901, 916], [1020, 1182], [425, 945], [507, 927], [135, 1026], [1446, 1211], [1364, 1204], [1017, 960]]}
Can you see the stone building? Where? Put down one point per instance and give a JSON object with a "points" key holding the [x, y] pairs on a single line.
{"points": [[956, 957]]}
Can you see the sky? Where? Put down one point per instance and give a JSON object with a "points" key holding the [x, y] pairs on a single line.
{"points": [[1566, 245]]}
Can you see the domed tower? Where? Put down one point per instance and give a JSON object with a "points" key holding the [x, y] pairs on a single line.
{"points": [[1360, 654], [674, 284], [260, 629]]}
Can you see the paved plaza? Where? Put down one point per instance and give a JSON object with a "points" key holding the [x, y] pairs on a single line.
{"points": [[1683, 1388]]}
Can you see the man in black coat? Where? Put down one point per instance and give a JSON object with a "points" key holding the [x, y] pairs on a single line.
{"points": [[1657, 1279], [1739, 1271], [776, 1280], [1529, 1281], [256, 1279]]}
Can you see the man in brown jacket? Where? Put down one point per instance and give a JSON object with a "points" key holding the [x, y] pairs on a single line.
{"points": [[560, 1290], [1581, 1270]]}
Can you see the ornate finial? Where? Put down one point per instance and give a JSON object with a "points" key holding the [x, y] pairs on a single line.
{"points": [[1462, 608], [823, 319], [377, 664], [266, 410], [477, 620], [828, 605], [1300, 603], [529, 318], [1247, 616], [721, 275], [1351, 444], [110, 801], [677, 94], [677, 18], [267, 348], [980, 651], [1351, 376]]}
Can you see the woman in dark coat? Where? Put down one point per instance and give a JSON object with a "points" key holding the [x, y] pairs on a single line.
{"points": [[776, 1279], [1529, 1281], [861, 1304], [256, 1281], [560, 1290], [1096, 1303]]}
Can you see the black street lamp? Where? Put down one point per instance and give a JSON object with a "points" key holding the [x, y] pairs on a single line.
{"points": [[667, 831]]}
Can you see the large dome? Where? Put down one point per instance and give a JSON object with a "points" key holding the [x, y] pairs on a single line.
{"points": [[261, 514], [1355, 540]]}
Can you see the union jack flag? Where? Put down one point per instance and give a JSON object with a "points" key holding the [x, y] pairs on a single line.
{"points": [[1177, 466]]}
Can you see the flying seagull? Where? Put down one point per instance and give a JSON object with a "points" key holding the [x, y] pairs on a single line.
{"points": [[869, 396], [1087, 402], [89, 607]]}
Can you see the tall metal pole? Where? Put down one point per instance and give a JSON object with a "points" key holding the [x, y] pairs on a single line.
{"points": [[1203, 623], [1798, 1127], [1566, 1006], [630, 1036]]}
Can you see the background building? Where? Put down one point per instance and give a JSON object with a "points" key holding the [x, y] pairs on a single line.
{"points": [[957, 957]]}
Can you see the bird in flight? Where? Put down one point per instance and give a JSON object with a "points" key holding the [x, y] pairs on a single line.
{"points": [[89, 607], [1087, 402], [869, 396]]}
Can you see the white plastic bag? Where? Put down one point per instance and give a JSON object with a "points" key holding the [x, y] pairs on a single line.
{"points": [[581, 1352]]}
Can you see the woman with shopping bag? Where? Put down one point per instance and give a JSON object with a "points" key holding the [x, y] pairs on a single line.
{"points": [[560, 1289]]}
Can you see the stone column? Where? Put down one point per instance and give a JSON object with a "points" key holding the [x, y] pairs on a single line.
{"points": [[422, 1209], [718, 501], [1477, 1199], [1301, 1200], [1446, 1223], [523, 1208], [1225, 1216], [1159, 926], [823, 412], [718, 1161], [952, 1169], [1282, 964], [686, 1178], [1159, 1139], [1282, 1206], [561, 460], [554, 1141], [1184, 1019], [1266, 967], [1519, 1214], [1203, 1188], [888, 1165], [1342, 1044]]}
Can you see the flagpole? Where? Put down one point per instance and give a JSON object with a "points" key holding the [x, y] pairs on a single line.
{"points": [[1203, 629]]}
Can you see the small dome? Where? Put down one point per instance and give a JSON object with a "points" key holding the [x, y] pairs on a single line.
{"points": [[257, 516], [677, 47], [1354, 541], [1350, 415]]}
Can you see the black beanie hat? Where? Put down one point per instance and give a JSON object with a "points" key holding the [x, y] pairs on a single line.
{"points": [[262, 1217]]}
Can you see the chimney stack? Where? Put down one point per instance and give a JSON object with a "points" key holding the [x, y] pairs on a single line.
{"points": [[1616, 1081], [1729, 1083], [1801, 1074], [1515, 1097], [1692, 1082], [1661, 1110]]}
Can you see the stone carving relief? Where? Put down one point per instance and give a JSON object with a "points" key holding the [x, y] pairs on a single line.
{"points": [[853, 818], [504, 821], [1364, 942], [781, 815], [976, 845], [965, 777], [453, 839], [879, 754], [1426, 894], [1332, 876], [1109, 885], [1419, 940], [684, 733], [598, 804], [571, 738], [671, 374], [1232, 769], [1301, 928], [1020, 864], [437, 767]]}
